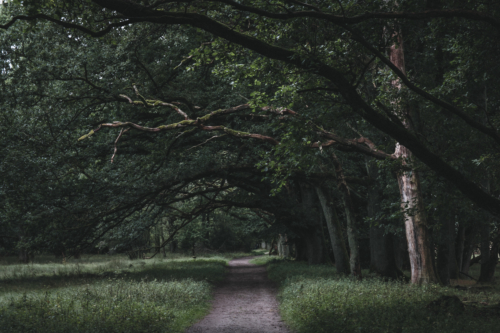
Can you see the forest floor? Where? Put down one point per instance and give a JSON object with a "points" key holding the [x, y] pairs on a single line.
{"points": [[109, 294], [245, 302]]}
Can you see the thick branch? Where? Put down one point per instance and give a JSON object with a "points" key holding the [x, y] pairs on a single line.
{"points": [[456, 111], [349, 93], [85, 30]]}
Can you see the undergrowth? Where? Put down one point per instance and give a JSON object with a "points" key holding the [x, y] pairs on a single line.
{"points": [[113, 296], [316, 299]]}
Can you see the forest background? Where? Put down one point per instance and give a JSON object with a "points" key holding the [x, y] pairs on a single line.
{"points": [[366, 131]]}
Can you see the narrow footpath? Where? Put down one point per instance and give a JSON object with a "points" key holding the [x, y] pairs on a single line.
{"points": [[244, 303]]}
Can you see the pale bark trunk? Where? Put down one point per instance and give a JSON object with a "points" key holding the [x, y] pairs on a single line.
{"points": [[334, 230], [417, 235], [354, 259]]}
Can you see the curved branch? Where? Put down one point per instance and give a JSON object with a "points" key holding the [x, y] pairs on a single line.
{"points": [[491, 132], [83, 29], [349, 93]]}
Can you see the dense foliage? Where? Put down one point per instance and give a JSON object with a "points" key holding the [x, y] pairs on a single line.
{"points": [[125, 121]]}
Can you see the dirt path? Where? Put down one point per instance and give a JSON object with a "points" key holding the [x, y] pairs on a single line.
{"points": [[244, 303]]}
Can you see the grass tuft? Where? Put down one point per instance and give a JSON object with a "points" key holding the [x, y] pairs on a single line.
{"points": [[316, 299], [113, 295]]}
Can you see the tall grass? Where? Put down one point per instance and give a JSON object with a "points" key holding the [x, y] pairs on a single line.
{"points": [[316, 299], [117, 295], [110, 306], [48, 274]]}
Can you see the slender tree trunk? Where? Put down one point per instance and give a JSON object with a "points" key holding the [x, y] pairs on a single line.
{"points": [[446, 259], [488, 272], [401, 252], [470, 235], [354, 259], [300, 249], [23, 256], [459, 247], [383, 259], [489, 249], [443, 262], [312, 232], [157, 237], [334, 230], [417, 235], [373, 264], [454, 270], [489, 255]]}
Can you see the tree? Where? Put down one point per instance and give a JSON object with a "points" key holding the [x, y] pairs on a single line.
{"points": [[311, 48]]}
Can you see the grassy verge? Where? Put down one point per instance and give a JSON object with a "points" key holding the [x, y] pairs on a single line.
{"points": [[117, 295], [265, 259], [316, 299]]}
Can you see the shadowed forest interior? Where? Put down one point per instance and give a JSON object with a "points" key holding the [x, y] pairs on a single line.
{"points": [[352, 147]]}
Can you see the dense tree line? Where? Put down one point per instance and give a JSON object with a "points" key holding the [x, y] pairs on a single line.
{"points": [[335, 122]]}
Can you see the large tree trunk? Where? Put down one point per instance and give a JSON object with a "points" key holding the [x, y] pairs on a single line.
{"points": [[446, 259], [300, 250], [469, 244], [417, 235], [489, 250], [401, 252], [354, 259], [334, 230], [312, 231], [383, 251], [489, 255]]}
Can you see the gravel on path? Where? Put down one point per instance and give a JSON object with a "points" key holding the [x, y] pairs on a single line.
{"points": [[244, 303]]}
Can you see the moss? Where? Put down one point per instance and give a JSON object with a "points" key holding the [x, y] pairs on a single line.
{"points": [[86, 135], [235, 133], [210, 115]]}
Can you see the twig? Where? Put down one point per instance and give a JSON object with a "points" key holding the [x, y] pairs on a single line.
{"points": [[123, 130], [214, 137]]}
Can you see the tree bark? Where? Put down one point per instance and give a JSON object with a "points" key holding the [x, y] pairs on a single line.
{"points": [[334, 230], [300, 249], [470, 235], [401, 252], [446, 259], [312, 231], [459, 246], [417, 235], [489, 254], [354, 259]]}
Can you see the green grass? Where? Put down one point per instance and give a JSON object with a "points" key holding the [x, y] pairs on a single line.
{"points": [[113, 295], [316, 299], [259, 252], [265, 259]]}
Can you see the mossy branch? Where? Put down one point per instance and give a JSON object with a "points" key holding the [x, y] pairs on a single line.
{"points": [[86, 135]]}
